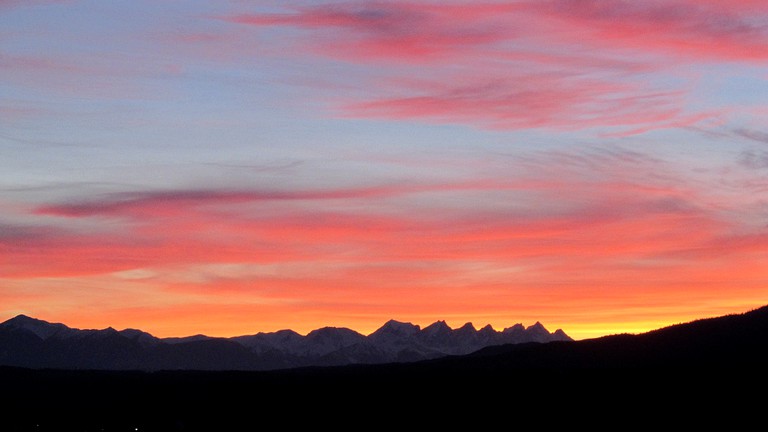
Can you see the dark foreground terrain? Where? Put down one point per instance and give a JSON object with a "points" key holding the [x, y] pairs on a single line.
{"points": [[709, 373]]}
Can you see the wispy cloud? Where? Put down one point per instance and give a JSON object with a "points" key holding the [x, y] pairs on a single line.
{"points": [[426, 31], [699, 30], [752, 134], [416, 32], [167, 160], [754, 158], [581, 223], [178, 201], [16, 233], [607, 205], [526, 101], [512, 65]]}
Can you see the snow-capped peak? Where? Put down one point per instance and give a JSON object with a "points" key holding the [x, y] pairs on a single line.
{"points": [[514, 329], [340, 335], [40, 328], [560, 335], [538, 328], [436, 328], [394, 341], [487, 329], [538, 332], [467, 327], [398, 328]]}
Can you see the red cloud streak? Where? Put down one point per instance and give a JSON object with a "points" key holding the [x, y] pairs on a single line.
{"points": [[617, 241], [511, 65], [415, 31]]}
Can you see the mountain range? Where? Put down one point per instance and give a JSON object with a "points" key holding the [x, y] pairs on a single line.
{"points": [[700, 374], [34, 343]]}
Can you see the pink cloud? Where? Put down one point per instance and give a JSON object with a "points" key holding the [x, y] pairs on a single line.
{"points": [[175, 202], [613, 225], [392, 30], [415, 31], [528, 101], [561, 63], [698, 30], [603, 207]]}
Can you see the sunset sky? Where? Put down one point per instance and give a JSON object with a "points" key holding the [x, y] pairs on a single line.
{"points": [[232, 167]]}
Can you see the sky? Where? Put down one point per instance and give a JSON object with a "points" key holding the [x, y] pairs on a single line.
{"points": [[232, 167]]}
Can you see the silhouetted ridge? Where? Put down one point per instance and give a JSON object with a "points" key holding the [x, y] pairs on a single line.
{"points": [[30, 342], [734, 340], [436, 329], [729, 341], [694, 369], [40, 328]]}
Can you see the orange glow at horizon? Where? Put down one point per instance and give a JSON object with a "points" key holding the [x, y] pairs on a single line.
{"points": [[597, 166], [637, 257], [229, 320]]}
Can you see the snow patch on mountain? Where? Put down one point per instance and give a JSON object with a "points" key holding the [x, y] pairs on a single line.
{"points": [[61, 346]]}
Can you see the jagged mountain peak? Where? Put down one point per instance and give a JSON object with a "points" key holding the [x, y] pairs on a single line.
{"points": [[560, 335], [514, 329], [395, 341], [437, 327], [20, 318], [538, 326], [286, 332], [467, 327], [42, 329], [538, 332], [333, 332], [326, 340], [487, 329], [398, 327]]}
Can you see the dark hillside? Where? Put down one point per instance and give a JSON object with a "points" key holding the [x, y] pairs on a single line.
{"points": [[738, 340], [704, 373]]}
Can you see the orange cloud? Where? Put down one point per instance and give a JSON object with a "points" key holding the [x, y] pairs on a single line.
{"points": [[615, 236]]}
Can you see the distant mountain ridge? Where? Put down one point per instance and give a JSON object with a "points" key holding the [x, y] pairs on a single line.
{"points": [[705, 372], [34, 343]]}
